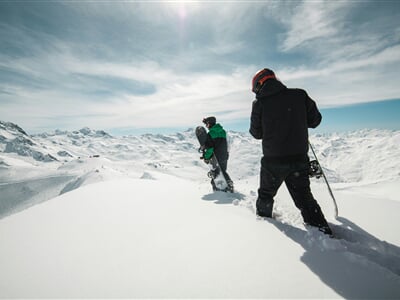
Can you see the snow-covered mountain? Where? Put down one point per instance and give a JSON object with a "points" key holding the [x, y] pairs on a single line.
{"points": [[347, 157], [13, 139], [134, 216]]}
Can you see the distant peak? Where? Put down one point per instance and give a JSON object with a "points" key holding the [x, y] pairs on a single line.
{"points": [[86, 130], [12, 127]]}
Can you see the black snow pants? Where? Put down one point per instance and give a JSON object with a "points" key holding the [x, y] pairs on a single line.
{"points": [[295, 176]]}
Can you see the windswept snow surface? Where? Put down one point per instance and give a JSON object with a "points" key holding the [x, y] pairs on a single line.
{"points": [[135, 217]]}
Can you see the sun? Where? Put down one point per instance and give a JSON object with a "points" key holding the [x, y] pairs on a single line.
{"points": [[183, 8]]}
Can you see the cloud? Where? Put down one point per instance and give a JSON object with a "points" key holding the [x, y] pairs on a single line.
{"points": [[345, 52], [168, 64], [103, 94], [312, 20], [349, 80]]}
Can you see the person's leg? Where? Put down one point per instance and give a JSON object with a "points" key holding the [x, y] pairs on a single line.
{"points": [[270, 181], [223, 165], [214, 187], [298, 185]]}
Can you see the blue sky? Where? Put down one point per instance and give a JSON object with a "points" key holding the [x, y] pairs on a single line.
{"points": [[158, 66]]}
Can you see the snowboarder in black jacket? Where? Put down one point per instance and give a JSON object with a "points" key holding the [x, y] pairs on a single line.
{"points": [[216, 144], [281, 117]]}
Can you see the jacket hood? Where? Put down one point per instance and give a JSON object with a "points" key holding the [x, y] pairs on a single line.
{"points": [[271, 87], [217, 131]]}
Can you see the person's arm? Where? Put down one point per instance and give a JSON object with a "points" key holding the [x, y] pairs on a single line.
{"points": [[314, 117], [256, 120]]}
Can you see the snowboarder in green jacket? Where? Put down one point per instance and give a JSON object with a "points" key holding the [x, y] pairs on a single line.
{"points": [[216, 144]]}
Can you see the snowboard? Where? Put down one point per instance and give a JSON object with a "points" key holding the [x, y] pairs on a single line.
{"points": [[315, 170], [215, 172]]}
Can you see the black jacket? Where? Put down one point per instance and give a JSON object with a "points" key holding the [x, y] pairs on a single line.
{"points": [[281, 117]]}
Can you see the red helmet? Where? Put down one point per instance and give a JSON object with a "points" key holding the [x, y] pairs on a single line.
{"points": [[260, 78]]}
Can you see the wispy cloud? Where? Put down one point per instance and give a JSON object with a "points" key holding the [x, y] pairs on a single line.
{"points": [[144, 94], [168, 64], [314, 20], [347, 48]]}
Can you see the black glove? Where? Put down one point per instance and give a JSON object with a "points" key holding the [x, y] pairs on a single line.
{"points": [[207, 161]]}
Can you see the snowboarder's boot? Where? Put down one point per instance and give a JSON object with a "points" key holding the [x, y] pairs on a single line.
{"points": [[326, 229], [264, 208], [230, 188]]}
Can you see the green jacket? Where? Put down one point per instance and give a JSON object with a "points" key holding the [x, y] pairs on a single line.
{"points": [[216, 143]]}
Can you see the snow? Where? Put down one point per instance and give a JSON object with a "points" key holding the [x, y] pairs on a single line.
{"points": [[135, 217]]}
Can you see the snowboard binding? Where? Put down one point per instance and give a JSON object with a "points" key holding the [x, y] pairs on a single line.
{"points": [[315, 169], [213, 173]]}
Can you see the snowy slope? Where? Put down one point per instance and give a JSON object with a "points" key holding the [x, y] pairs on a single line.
{"points": [[135, 217], [169, 237]]}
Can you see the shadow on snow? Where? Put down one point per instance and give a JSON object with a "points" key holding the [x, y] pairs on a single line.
{"points": [[223, 198], [344, 262]]}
